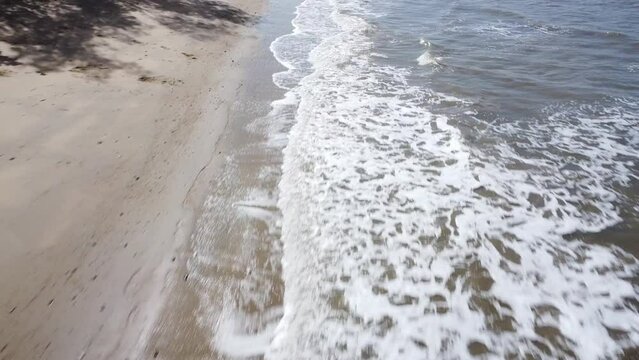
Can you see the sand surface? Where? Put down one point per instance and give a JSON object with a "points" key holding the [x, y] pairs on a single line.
{"points": [[101, 164]]}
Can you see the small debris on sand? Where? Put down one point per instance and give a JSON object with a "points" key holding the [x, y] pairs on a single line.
{"points": [[146, 78], [159, 79], [88, 67], [190, 56]]}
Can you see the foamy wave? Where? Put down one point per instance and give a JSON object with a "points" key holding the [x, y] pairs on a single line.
{"points": [[402, 241], [426, 58]]}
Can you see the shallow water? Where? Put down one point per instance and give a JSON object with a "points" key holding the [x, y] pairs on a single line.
{"points": [[456, 179]]}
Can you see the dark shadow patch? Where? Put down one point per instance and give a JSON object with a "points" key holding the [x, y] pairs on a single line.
{"points": [[49, 34]]}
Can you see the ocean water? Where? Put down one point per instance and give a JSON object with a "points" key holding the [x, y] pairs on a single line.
{"points": [[459, 180]]}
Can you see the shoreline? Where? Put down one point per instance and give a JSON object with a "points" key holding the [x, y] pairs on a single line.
{"points": [[101, 182], [228, 300], [171, 169]]}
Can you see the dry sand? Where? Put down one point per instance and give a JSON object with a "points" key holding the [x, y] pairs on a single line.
{"points": [[101, 171]]}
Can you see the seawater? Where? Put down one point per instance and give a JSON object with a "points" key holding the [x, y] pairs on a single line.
{"points": [[453, 177]]}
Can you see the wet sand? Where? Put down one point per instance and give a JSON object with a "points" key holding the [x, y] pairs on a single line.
{"points": [[102, 171], [229, 299]]}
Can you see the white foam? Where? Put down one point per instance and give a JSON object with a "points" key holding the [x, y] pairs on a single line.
{"points": [[232, 340], [402, 241], [426, 58], [514, 30], [378, 55]]}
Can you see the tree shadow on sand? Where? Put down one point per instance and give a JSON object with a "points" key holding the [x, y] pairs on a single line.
{"points": [[47, 34]]}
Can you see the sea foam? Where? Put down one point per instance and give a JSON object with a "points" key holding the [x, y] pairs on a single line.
{"points": [[401, 240]]}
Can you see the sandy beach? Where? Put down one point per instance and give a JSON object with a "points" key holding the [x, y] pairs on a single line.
{"points": [[105, 152], [318, 179]]}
